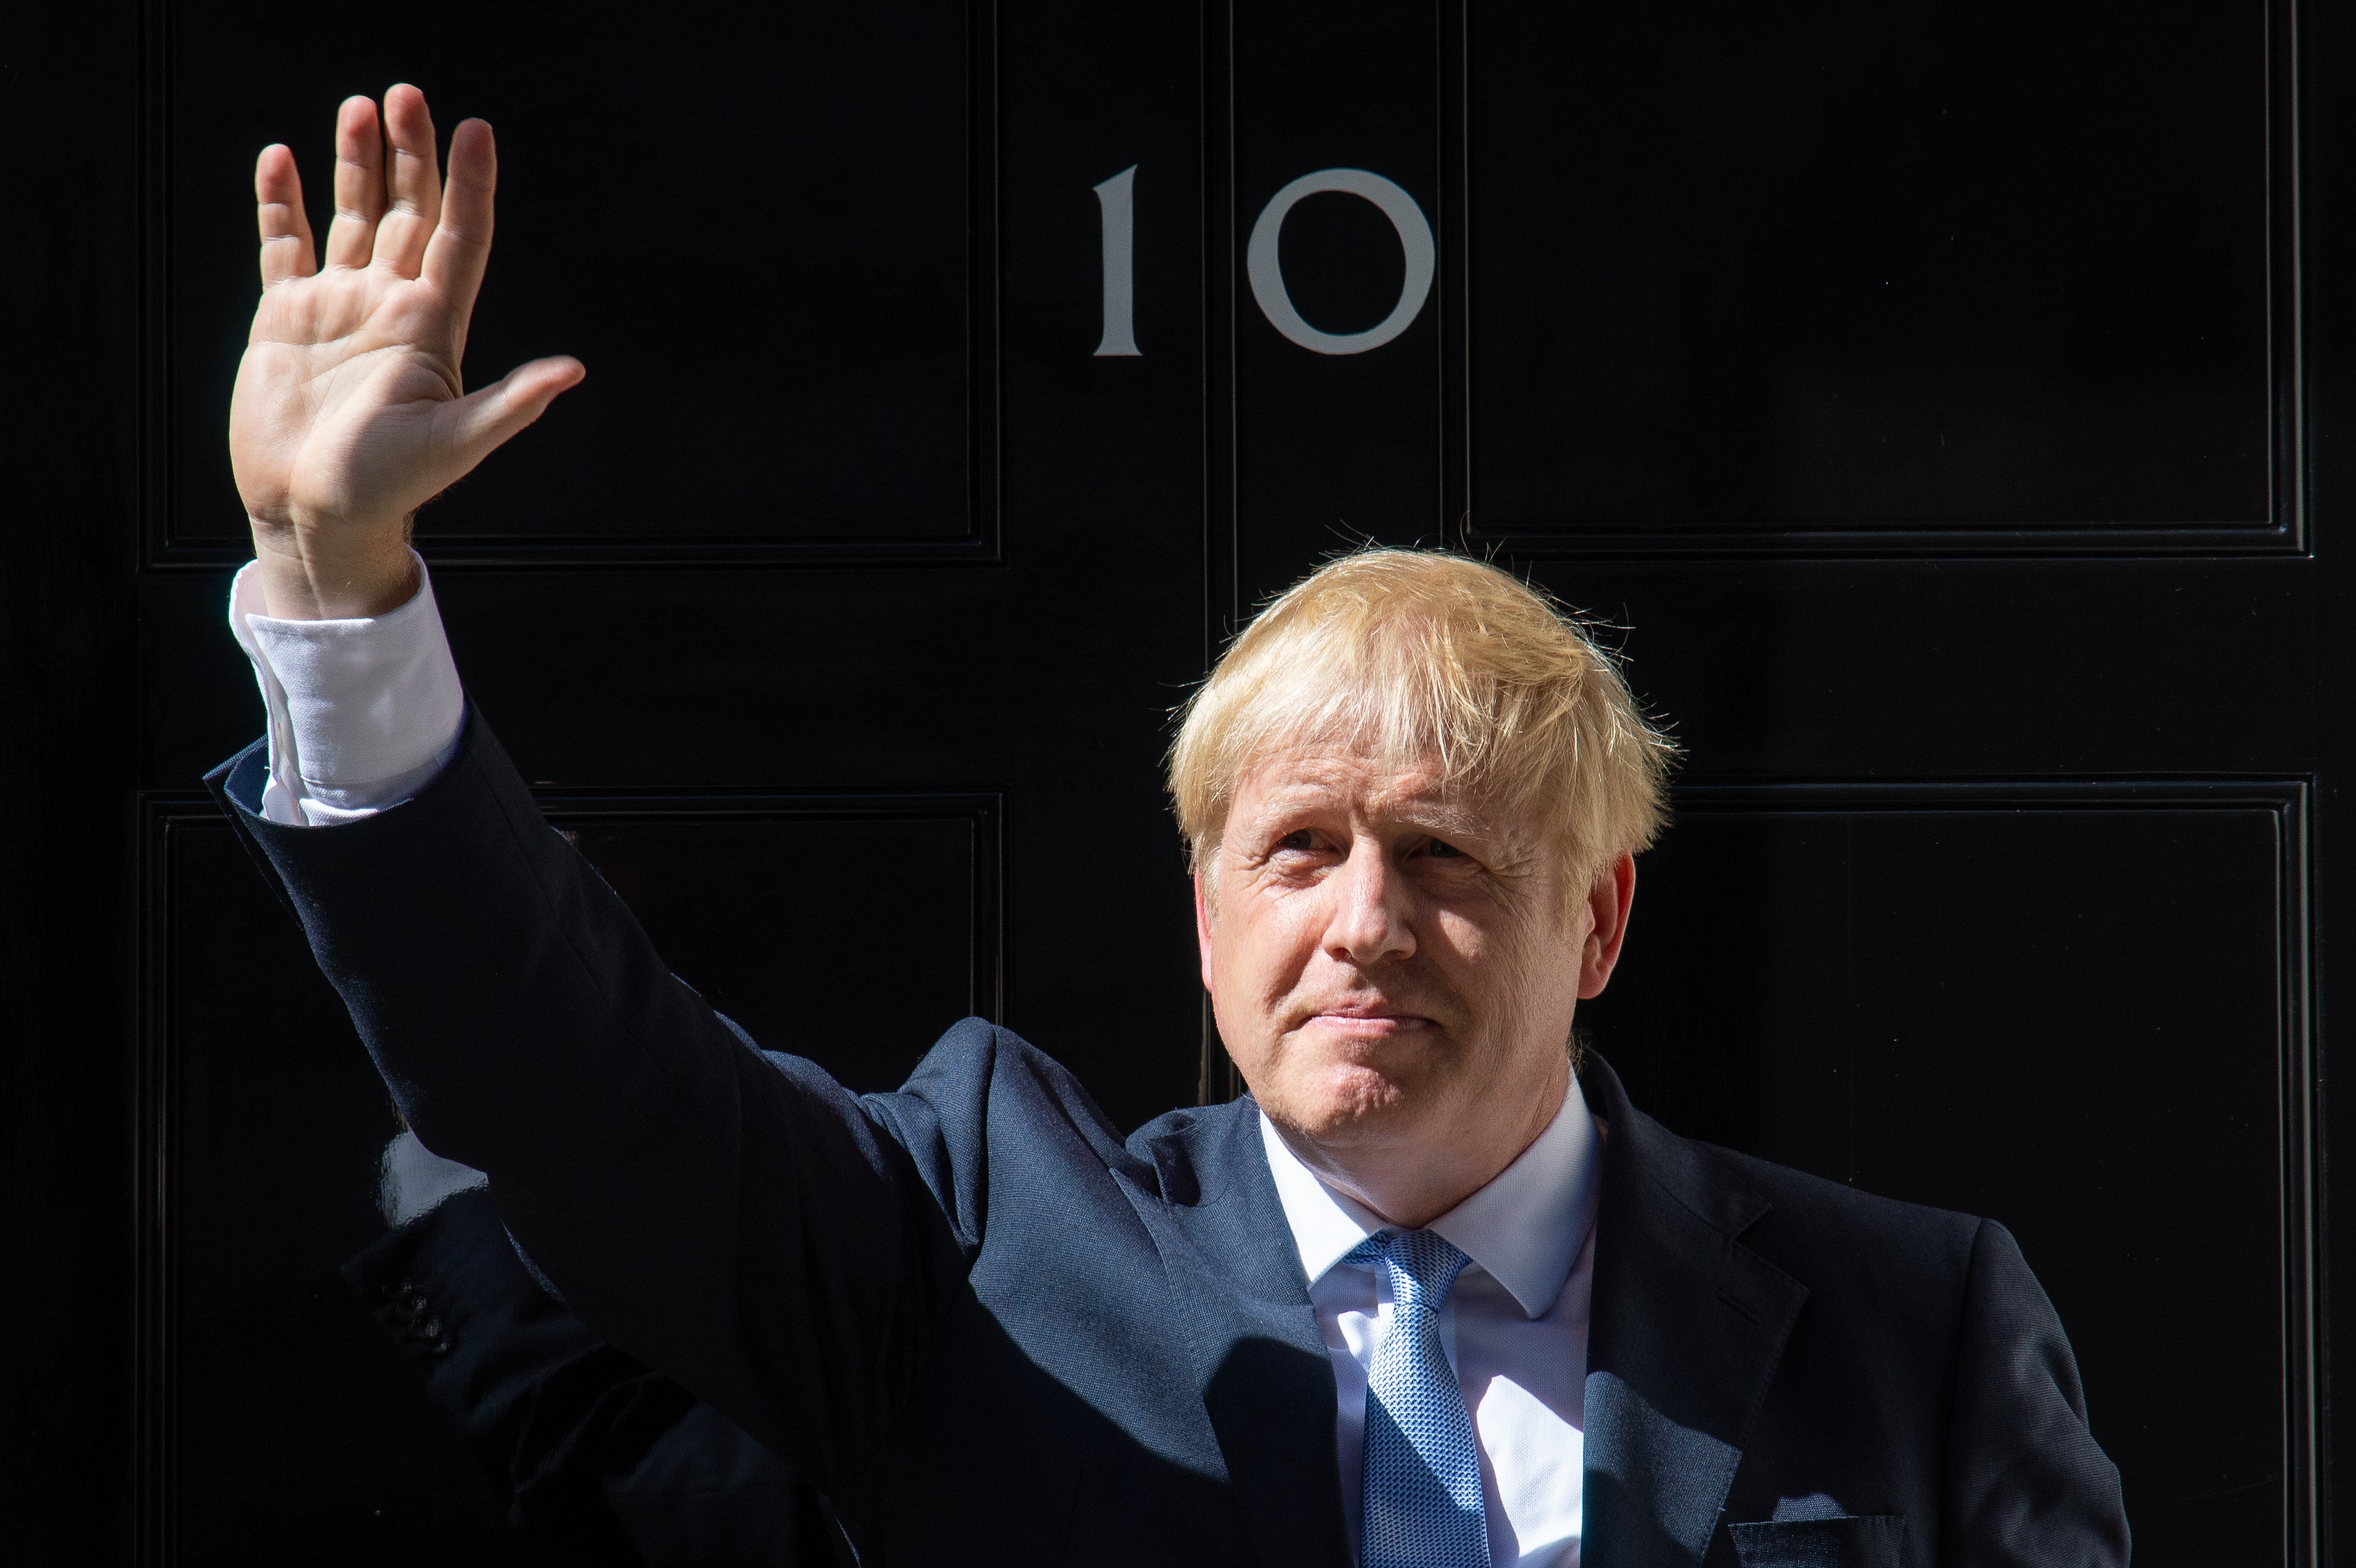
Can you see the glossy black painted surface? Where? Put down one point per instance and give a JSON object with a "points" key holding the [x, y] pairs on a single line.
{"points": [[1973, 265]]}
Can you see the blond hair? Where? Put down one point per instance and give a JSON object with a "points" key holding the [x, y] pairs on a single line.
{"points": [[1420, 658]]}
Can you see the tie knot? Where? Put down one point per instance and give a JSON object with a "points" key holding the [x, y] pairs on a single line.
{"points": [[1423, 1265]]}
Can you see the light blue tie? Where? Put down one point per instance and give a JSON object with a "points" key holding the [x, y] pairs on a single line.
{"points": [[1423, 1507]]}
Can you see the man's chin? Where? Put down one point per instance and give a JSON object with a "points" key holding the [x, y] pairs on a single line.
{"points": [[1350, 1102]]}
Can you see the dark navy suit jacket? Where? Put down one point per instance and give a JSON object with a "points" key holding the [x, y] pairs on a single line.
{"points": [[992, 1330]]}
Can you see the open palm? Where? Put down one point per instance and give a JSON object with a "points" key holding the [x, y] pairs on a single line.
{"points": [[349, 411]]}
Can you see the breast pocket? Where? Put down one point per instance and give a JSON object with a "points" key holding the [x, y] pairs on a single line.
{"points": [[1851, 1542]]}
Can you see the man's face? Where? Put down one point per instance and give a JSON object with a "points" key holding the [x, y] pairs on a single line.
{"points": [[1394, 969]]}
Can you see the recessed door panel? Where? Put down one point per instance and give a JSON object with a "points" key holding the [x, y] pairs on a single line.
{"points": [[757, 226], [1974, 267]]}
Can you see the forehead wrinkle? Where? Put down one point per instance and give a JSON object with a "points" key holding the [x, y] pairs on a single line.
{"points": [[1326, 772]]}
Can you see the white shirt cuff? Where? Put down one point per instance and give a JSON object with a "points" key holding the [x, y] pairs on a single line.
{"points": [[413, 1180], [364, 713]]}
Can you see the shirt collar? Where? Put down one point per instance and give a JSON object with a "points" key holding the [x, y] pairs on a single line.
{"points": [[1526, 1226]]}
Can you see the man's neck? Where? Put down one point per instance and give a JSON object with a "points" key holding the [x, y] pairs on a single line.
{"points": [[1413, 1180]]}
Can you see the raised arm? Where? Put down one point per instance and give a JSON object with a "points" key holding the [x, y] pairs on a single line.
{"points": [[741, 1223], [350, 411]]}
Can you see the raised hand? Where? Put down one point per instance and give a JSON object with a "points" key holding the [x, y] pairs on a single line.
{"points": [[350, 413]]}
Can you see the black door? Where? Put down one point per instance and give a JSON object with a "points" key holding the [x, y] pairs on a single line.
{"points": [[1937, 399]]}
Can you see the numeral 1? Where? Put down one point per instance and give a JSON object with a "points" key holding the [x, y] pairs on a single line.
{"points": [[1119, 264]]}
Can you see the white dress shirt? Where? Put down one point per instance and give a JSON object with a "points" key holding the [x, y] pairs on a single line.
{"points": [[1515, 1328], [364, 713]]}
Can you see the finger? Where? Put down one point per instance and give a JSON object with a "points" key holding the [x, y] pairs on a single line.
{"points": [[278, 208], [481, 421], [413, 180], [461, 246], [359, 184]]}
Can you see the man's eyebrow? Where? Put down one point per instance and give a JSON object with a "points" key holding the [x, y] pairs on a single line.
{"points": [[1463, 826], [1442, 819]]}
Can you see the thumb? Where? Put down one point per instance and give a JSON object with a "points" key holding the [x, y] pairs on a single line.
{"points": [[486, 418]]}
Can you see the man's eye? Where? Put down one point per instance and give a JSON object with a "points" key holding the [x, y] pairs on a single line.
{"points": [[1301, 839], [1440, 851]]}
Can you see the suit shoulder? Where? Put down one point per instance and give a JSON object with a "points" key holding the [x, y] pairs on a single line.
{"points": [[1815, 1214], [986, 1106], [980, 1070]]}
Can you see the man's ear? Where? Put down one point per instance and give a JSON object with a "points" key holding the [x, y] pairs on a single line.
{"points": [[1203, 927], [1606, 902]]}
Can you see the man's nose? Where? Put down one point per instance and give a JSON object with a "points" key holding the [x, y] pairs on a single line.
{"points": [[1370, 916]]}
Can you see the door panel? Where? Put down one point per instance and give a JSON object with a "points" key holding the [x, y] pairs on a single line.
{"points": [[821, 163], [1971, 267]]}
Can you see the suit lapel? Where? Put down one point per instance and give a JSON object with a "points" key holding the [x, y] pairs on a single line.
{"points": [[1260, 1362], [1688, 1327]]}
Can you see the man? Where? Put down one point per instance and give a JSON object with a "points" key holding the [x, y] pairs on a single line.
{"points": [[1433, 1293]]}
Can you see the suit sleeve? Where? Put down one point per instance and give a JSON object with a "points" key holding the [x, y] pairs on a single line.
{"points": [[2027, 1486], [739, 1222]]}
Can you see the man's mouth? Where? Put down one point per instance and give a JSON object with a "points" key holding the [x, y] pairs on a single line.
{"points": [[1372, 1023]]}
